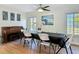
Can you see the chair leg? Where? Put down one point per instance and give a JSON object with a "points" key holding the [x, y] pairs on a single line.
{"points": [[61, 48], [38, 43], [24, 43], [71, 49], [27, 41], [58, 50], [50, 48], [39, 48], [20, 41], [55, 48], [34, 42], [66, 49], [31, 42]]}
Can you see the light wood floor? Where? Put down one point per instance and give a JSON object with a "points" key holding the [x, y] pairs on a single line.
{"points": [[16, 48]]}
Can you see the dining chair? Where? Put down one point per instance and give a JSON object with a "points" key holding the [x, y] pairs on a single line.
{"points": [[35, 37], [45, 41], [61, 43], [26, 37]]}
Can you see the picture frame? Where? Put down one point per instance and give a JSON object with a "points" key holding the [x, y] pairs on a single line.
{"points": [[18, 17], [5, 15], [12, 16], [47, 19]]}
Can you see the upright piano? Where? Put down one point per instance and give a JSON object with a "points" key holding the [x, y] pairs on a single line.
{"points": [[8, 32]]}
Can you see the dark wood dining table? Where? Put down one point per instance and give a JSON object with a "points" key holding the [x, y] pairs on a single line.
{"points": [[56, 38]]}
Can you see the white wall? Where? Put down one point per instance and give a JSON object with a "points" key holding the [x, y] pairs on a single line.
{"points": [[8, 22], [59, 19]]}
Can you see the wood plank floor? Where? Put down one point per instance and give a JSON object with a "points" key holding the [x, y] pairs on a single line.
{"points": [[16, 48]]}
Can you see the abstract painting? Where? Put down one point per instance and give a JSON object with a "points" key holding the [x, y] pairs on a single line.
{"points": [[47, 20]]}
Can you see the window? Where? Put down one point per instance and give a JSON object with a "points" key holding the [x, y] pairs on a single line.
{"points": [[5, 15], [18, 17], [12, 16], [70, 23], [76, 23], [73, 23]]}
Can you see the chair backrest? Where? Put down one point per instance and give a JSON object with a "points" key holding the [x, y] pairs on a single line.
{"points": [[54, 40], [43, 36], [61, 41], [26, 33], [57, 40], [35, 36]]}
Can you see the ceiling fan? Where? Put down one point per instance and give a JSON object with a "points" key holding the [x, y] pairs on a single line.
{"points": [[42, 8]]}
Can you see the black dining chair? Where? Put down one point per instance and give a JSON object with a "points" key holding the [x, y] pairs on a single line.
{"points": [[60, 42], [25, 36], [34, 36], [41, 40]]}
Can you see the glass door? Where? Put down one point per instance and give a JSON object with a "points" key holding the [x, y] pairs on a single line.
{"points": [[32, 24]]}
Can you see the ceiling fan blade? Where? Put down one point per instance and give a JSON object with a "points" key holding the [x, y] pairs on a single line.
{"points": [[46, 7]]}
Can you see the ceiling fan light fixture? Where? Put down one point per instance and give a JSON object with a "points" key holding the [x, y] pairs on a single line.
{"points": [[40, 10]]}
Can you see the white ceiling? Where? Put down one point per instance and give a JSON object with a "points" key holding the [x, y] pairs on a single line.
{"points": [[33, 7], [22, 7]]}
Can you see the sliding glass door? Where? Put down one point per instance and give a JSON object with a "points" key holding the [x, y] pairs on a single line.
{"points": [[73, 23], [70, 18]]}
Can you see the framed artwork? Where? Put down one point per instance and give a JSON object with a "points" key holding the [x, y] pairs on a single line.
{"points": [[18, 17], [12, 16], [5, 15], [47, 20]]}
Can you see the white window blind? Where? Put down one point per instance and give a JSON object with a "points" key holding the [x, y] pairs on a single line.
{"points": [[73, 23]]}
